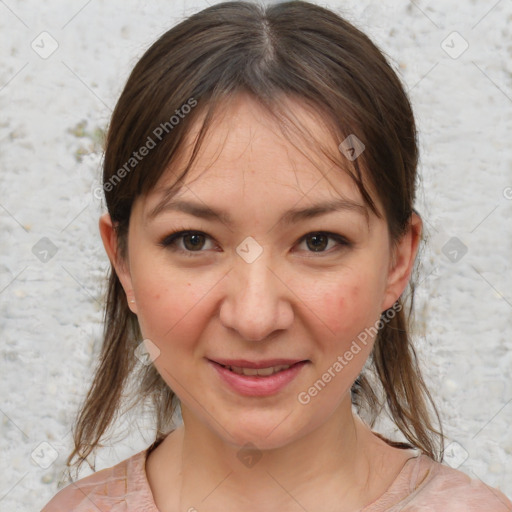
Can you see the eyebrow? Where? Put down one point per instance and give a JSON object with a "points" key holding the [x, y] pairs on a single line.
{"points": [[291, 216]]}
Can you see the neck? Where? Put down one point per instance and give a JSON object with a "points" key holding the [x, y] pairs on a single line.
{"points": [[334, 455]]}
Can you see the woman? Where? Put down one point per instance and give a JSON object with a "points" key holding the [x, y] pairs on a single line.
{"points": [[260, 175]]}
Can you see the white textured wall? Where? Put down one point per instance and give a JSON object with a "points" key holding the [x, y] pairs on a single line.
{"points": [[51, 311]]}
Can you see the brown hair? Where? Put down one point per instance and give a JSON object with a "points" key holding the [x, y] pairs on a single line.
{"points": [[291, 49]]}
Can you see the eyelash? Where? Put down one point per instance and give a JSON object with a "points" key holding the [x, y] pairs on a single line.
{"points": [[169, 242]]}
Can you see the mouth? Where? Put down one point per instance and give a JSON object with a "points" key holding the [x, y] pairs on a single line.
{"points": [[258, 378], [260, 372], [261, 368]]}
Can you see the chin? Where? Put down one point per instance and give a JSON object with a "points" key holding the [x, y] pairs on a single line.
{"points": [[263, 432]]}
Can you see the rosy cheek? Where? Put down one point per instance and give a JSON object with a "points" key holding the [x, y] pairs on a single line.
{"points": [[344, 310], [168, 309]]}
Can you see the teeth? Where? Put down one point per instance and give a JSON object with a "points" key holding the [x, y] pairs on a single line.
{"points": [[263, 372]]}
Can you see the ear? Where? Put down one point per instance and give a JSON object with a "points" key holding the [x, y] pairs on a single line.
{"points": [[402, 261], [121, 267]]}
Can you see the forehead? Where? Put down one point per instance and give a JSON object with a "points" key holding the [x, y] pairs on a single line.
{"points": [[246, 152]]}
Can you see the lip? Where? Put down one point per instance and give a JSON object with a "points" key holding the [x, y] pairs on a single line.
{"points": [[243, 363], [252, 385]]}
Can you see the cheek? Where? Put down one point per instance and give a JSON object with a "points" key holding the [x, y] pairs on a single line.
{"points": [[347, 307], [349, 310], [170, 315], [167, 303]]}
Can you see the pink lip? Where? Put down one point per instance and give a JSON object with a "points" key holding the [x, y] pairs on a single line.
{"points": [[254, 385], [243, 363]]}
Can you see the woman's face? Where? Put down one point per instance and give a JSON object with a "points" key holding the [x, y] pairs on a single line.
{"points": [[275, 279]]}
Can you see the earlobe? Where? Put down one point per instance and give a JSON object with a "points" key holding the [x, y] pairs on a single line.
{"points": [[109, 238], [402, 262]]}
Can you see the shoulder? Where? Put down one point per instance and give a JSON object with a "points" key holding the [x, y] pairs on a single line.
{"points": [[123, 483], [441, 487]]}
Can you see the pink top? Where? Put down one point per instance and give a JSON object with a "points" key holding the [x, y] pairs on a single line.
{"points": [[422, 485]]}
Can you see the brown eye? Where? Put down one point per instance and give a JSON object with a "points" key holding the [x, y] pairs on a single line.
{"points": [[196, 241], [319, 242], [190, 243]]}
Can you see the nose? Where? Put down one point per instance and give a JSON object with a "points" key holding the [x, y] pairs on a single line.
{"points": [[257, 301]]}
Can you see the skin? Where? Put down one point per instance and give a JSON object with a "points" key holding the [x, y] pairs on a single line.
{"points": [[290, 302]]}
